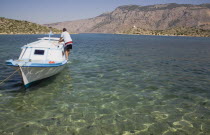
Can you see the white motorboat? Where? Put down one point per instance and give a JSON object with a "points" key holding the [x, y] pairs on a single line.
{"points": [[39, 60]]}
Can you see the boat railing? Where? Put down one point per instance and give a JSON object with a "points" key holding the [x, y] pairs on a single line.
{"points": [[44, 47]]}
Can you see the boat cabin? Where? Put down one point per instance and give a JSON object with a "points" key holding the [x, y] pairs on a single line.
{"points": [[43, 50]]}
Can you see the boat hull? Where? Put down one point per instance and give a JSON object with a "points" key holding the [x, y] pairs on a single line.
{"points": [[40, 59], [33, 74]]}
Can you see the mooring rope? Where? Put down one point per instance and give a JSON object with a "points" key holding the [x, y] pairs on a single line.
{"points": [[9, 76]]}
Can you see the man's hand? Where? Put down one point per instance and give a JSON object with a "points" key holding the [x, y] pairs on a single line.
{"points": [[60, 40]]}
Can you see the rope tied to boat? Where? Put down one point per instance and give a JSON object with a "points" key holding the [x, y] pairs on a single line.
{"points": [[9, 76]]}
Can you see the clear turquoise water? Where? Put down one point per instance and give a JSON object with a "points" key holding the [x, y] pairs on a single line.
{"points": [[116, 85]]}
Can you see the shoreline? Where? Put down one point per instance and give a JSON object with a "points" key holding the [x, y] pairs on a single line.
{"points": [[32, 33], [162, 35], [109, 33]]}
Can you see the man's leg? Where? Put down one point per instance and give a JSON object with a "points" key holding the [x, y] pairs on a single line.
{"points": [[67, 54], [70, 47]]}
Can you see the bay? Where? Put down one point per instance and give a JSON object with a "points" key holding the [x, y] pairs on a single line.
{"points": [[114, 84]]}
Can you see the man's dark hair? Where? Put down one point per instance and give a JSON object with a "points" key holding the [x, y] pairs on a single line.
{"points": [[64, 29]]}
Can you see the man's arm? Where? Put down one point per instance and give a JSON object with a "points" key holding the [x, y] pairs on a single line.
{"points": [[60, 40]]}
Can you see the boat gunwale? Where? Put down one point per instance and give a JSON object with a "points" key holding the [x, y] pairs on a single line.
{"points": [[38, 64]]}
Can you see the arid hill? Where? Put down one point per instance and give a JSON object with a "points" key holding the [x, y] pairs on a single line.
{"points": [[153, 17], [11, 26]]}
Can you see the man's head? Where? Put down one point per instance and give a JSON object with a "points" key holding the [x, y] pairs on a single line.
{"points": [[64, 29]]}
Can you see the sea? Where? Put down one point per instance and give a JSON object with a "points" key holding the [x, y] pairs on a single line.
{"points": [[113, 85]]}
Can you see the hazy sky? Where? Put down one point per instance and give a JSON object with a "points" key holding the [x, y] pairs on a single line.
{"points": [[49, 11]]}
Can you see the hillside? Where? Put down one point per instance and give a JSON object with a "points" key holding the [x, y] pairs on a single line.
{"points": [[153, 17], [177, 31], [10, 26]]}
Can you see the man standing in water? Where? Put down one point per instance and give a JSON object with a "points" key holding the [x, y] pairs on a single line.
{"points": [[65, 36]]}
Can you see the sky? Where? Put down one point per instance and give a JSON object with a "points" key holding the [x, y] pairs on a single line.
{"points": [[51, 11]]}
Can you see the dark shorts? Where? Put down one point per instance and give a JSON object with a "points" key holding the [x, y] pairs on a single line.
{"points": [[68, 47]]}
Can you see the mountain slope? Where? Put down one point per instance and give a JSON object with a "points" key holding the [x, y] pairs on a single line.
{"points": [[176, 31], [154, 17], [10, 26]]}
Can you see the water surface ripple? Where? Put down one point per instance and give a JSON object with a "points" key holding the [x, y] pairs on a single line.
{"points": [[115, 84]]}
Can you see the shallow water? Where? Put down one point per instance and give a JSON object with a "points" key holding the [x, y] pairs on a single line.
{"points": [[114, 84]]}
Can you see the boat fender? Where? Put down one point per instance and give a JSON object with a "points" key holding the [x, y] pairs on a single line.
{"points": [[51, 62]]}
